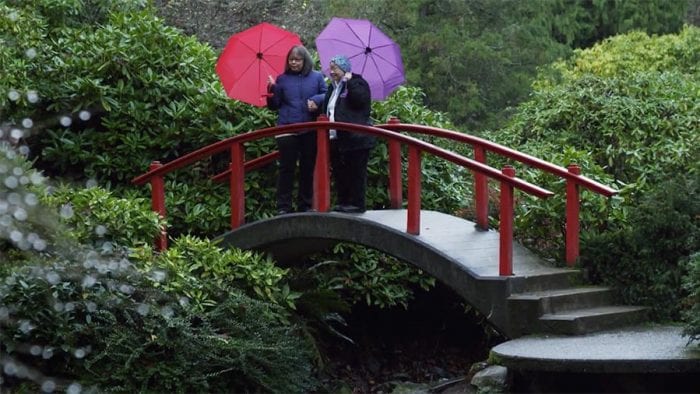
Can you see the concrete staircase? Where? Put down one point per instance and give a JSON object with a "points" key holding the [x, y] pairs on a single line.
{"points": [[550, 304]]}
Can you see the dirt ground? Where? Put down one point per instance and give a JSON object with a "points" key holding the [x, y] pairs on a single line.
{"points": [[429, 347]]}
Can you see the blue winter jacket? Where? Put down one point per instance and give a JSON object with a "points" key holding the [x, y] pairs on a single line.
{"points": [[289, 95]]}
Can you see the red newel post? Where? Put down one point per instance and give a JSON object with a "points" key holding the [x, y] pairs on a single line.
{"points": [[395, 192], [158, 204], [414, 190], [481, 192], [322, 177], [572, 217], [236, 185], [505, 255]]}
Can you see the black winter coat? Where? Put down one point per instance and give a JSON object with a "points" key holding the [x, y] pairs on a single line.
{"points": [[353, 106]]}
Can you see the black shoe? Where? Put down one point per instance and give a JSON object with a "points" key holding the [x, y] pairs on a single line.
{"points": [[352, 209], [348, 209]]}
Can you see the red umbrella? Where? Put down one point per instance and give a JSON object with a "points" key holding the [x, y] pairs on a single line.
{"points": [[249, 57]]}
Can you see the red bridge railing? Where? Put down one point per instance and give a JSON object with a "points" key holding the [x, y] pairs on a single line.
{"points": [[480, 146], [416, 147]]}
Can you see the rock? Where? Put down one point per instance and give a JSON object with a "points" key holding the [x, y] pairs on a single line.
{"points": [[492, 379]]}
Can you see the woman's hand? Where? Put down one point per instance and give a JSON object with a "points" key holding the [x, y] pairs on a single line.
{"points": [[270, 80], [347, 76]]}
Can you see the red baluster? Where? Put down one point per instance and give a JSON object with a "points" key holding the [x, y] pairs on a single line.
{"points": [[572, 217], [481, 192], [505, 255], [158, 204], [237, 185], [322, 177], [395, 192], [414, 190]]}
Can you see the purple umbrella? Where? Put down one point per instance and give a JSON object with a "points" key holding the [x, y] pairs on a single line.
{"points": [[371, 53]]}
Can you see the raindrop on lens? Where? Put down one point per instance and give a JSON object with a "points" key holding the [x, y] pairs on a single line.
{"points": [[13, 95], [90, 183], [31, 53], [48, 386], [10, 368], [143, 309], [36, 178], [74, 388], [31, 199], [65, 121], [91, 306], [18, 171], [53, 278], [27, 123], [35, 350], [20, 214], [32, 96], [66, 212], [69, 306], [16, 133], [79, 353], [100, 230], [166, 312], [84, 115], [39, 245], [3, 206], [58, 306], [11, 182], [16, 236], [23, 180], [47, 353], [24, 150], [25, 326], [14, 198], [5, 221], [89, 281]]}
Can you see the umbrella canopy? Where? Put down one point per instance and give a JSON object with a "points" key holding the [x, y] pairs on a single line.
{"points": [[249, 57], [371, 53]]}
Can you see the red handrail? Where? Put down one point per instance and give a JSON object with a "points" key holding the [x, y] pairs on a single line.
{"points": [[238, 167], [572, 174]]}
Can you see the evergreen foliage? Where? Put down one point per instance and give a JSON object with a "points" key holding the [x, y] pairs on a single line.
{"points": [[626, 111]]}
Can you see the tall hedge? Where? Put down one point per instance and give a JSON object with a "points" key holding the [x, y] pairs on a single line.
{"points": [[628, 111]]}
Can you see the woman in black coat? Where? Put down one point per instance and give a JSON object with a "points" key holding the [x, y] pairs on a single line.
{"points": [[348, 99]]}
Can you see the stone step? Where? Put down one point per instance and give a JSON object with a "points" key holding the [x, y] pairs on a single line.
{"points": [[583, 321], [556, 279], [559, 300]]}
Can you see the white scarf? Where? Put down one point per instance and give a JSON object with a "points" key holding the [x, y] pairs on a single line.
{"points": [[338, 87]]}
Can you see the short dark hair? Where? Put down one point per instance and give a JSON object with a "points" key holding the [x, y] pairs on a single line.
{"points": [[300, 50]]}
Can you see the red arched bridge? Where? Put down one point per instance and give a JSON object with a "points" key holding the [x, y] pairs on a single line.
{"points": [[518, 292]]}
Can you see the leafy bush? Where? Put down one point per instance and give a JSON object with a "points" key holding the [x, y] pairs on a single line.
{"points": [[204, 273], [626, 111], [360, 274], [96, 216], [643, 257], [94, 322]]}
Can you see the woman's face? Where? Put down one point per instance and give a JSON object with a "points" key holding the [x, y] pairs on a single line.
{"points": [[296, 62], [336, 72]]}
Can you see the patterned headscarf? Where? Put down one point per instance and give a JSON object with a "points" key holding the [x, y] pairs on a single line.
{"points": [[342, 62]]}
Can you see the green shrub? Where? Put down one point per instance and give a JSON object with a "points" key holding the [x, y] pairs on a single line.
{"points": [[643, 257], [96, 216], [204, 273], [359, 274], [95, 322]]}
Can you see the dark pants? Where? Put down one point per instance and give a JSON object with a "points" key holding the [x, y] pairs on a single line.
{"points": [[350, 175], [293, 148]]}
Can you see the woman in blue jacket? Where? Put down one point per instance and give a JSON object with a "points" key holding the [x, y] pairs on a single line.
{"points": [[291, 94]]}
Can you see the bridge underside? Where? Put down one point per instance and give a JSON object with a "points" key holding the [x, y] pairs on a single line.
{"points": [[448, 248]]}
